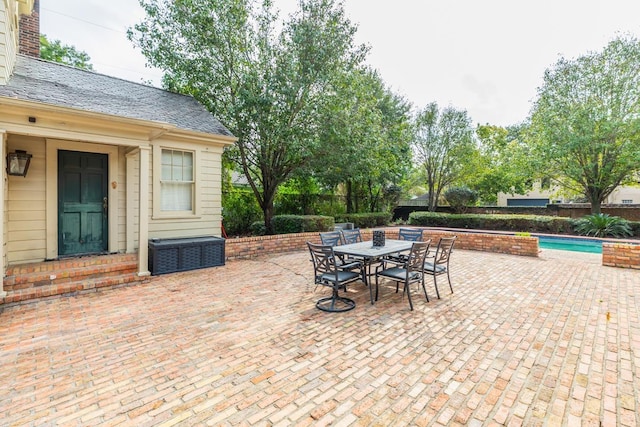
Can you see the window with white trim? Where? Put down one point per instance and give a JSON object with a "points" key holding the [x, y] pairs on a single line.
{"points": [[177, 183], [627, 201]]}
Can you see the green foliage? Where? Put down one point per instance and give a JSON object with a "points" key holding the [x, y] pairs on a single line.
{"points": [[258, 228], [518, 223], [365, 141], [460, 198], [299, 196], [585, 124], [502, 164], [443, 146], [239, 211], [286, 224], [366, 220], [64, 54], [603, 225], [266, 79]]}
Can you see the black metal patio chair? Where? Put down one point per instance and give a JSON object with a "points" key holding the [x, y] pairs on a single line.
{"points": [[331, 238], [334, 238], [409, 272], [328, 272], [440, 264], [412, 234], [409, 234], [351, 236]]}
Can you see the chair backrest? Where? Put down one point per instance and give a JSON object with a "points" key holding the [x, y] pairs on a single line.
{"points": [[445, 246], [331, 238], [417, 255], [412, 234], [351, 236], [323, 258]]}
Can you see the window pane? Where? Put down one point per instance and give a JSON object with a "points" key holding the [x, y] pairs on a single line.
{"points": [[166, 172], [176, 173], [176, 196], [177, 181], [187, 171], [166, 157]]}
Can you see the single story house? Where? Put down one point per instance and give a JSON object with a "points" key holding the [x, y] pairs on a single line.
{"points": [[111, 163]]}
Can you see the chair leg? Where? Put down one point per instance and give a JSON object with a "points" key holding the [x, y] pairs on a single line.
{"points": [[449, 279], [407, 288], [335, 303], [435, 283], [370, 285], [424, 288]]}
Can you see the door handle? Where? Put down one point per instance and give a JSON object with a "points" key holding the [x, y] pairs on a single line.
{"points": [[105, 204]]}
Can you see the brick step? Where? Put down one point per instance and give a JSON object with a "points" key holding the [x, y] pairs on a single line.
{"points": [[68, 263], [71, 287], [56, 277]]}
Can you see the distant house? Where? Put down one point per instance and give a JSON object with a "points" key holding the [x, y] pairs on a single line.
{"points": [[542, 195], [113, 163]]}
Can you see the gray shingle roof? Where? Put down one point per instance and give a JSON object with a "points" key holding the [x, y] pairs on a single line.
{"points": [[50, 83]]}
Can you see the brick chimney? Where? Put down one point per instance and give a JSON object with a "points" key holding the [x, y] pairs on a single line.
{"points": [[30, 32]]}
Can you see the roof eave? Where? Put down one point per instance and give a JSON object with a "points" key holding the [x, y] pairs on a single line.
{"points": [[160, 128]]}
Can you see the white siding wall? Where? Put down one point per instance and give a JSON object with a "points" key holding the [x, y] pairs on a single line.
{"points": [[26, 204], [121, 219], [207, 222], [8, 39]]}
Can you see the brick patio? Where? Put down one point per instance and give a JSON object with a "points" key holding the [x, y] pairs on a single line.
{"points": [[551, 341]]}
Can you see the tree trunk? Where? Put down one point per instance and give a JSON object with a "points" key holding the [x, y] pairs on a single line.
{"points": [[268, 194], [595, 196], [349, 197], [267, 211], [432, 195]]}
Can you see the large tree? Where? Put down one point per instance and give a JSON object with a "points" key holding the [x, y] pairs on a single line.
{"points": [[365, 138], [265, 79], [65, 54], [443, 146], [585, 124], [503, 163]]}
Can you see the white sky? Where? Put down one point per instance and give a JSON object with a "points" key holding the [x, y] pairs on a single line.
{"points": [[485, 56]]}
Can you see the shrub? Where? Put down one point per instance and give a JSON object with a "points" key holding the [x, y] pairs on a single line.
{"points": [[258, 228], [518, 223], [460, 198], [240, 211], [366, 220], [603, 225], [287, 224]]}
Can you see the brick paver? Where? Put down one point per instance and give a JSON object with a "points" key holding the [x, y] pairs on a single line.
{"points": [[551, 341]]}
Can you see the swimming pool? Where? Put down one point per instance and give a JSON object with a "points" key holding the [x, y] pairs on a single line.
{"points": [[570, 244]]}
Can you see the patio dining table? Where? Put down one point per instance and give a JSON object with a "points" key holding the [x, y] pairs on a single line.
{"points": [[370, 254]]}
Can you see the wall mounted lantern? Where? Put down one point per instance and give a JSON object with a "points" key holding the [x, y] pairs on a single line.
{"points": [[18, 163]]}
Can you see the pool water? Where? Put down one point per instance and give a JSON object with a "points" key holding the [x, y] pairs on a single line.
{"points": [[569, 244]]}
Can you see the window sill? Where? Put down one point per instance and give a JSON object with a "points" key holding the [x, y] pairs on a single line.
{"points": [[176, 216]]}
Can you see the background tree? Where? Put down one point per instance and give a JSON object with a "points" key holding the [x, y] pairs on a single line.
{"points": [[503, 163], [365, 141], [460, 198], [585, 124], [263, 78], [64, 54], [443, 146]]}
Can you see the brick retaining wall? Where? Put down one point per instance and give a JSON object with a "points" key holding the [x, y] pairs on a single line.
{"points": [[248, 247], [624, 255]]}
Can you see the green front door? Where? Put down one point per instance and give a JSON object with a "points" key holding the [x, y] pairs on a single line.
{"points": [[82, 202]]}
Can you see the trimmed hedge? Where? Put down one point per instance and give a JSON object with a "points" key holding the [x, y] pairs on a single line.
{"points": [[366, 220], [287, 224], [522, 223]]}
